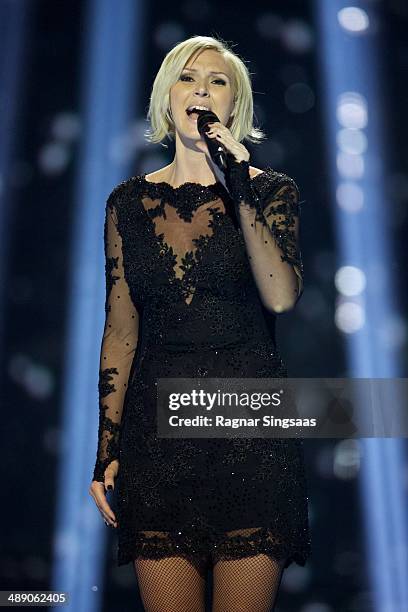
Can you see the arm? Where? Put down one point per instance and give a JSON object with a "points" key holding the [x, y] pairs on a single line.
{"points": [[118, 345], [270, 227]]}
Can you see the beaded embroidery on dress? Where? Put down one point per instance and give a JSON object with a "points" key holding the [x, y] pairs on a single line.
{"points": [[183, 299]]}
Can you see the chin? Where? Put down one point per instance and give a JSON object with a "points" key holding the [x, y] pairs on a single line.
{"points": [[189, 133]]}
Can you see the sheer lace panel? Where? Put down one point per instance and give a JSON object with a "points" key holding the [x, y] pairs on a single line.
{"points": [[269, 219], [282, 215], [118, 345], [179, 234]]}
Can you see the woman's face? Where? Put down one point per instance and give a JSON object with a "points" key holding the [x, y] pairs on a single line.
{"points": [[206, 80]]}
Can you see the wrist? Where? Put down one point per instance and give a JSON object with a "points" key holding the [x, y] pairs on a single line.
{"points": [[238, 181]]}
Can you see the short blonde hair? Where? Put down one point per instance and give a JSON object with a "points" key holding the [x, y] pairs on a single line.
{"points": [[242, 116]]}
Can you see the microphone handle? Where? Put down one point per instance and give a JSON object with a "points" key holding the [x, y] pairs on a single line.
{"points": [[217, 152], [215, 149]]}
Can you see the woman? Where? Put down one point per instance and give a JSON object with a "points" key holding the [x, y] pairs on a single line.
{"points": [[197, 265]]}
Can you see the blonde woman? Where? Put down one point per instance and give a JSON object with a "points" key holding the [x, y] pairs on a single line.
{"points": [[198, 264]]}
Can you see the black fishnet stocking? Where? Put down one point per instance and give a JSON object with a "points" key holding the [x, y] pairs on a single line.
{"points": [[246, 584], [171, 584], [177, 584]]}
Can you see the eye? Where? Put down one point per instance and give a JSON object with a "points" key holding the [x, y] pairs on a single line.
{"points": [[183, 77]]}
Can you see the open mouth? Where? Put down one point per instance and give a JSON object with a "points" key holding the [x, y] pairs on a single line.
{"points": [[193, 112]]}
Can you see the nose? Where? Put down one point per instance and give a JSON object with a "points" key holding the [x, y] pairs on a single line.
{"points": [[202, 91]]}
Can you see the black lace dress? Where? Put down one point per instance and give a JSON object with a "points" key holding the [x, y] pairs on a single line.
{"points": [[190, 294]]}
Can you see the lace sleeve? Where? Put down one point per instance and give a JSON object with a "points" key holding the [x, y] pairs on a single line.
{"points": [[118, 345], [269, 221]]}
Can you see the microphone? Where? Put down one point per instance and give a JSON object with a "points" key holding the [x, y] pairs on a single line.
{"points": [[217, 152], [216, 149]]}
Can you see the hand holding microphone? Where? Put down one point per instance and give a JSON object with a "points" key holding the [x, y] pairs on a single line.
{"points": [[224, 150]]}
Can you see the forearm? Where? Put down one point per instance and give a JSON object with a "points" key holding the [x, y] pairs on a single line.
{"points": [[116, 357], [279, 285]]}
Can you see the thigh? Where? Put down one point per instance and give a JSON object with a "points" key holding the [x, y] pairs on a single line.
{"points": [[174, 584], [249, 584]]}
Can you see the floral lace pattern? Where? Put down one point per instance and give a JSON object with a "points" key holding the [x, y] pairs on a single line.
{"points": [[183, 299]]}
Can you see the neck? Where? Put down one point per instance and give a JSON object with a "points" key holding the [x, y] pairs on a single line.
{"points": [[191, 165]]}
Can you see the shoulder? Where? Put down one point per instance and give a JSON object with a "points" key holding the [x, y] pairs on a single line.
{"points": [[269, 180], [123, 192]]}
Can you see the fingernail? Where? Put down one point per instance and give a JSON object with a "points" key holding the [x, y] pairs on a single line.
{"points": [[110, 487]]}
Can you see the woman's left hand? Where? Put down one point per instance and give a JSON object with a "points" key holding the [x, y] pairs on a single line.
{"points": [[222, 134]]}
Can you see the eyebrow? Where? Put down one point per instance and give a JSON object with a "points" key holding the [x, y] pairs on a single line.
{"points": [[211, 72]]}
